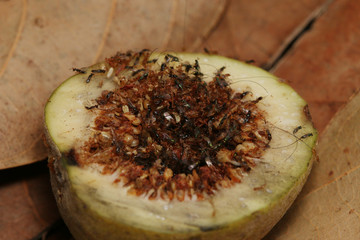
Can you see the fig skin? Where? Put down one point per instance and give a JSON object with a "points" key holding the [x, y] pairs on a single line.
{"points": [[87, 224]]}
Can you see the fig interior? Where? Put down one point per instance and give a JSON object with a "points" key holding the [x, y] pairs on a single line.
{"points": [[169, 133]]}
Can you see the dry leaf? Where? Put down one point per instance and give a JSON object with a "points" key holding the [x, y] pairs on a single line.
{"points": [[330, 212], [10, 17], [339, 149], [324, 65], [261, 29], [163, 25], [329, 207], [40, 42], [43, 40], [27, 203]]}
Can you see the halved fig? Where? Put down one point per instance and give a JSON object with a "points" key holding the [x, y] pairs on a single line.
{"points": [[176, 146]]}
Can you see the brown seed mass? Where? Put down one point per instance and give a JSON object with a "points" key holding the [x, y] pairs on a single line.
{"points": [[170, 134]]}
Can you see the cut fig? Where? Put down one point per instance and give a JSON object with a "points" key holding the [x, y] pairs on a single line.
{"points": [[176, 146]]}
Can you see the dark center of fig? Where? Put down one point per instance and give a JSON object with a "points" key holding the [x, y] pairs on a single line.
{"points": [[169, 133]]}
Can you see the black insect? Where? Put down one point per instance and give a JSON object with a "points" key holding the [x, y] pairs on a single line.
{"points": [[173, 58], [118, 146], [132, 106], [268, 134], [223, 120], [221, 81], [197, 66], [137, 71], [257, 100], [221, 69], [152, 60], [247, 117], [145, 75], [250, 61], [142, 51], [242, 95], [108, 96], [174, 76], [136, 61], [187, 67], [79, 70], [198, 74], [91, 107], [89, 77], [297, 129], [306, 135], [98, 71], [163, 66]]}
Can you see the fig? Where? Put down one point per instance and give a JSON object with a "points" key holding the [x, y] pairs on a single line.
{"points": [[154, 145]]}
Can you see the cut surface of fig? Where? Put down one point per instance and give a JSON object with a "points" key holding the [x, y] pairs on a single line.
{"points": [[176, 145]]}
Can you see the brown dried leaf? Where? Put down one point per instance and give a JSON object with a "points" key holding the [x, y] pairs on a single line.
{"points": [[324, 65], [330, 212], [260, 29], [27, 204], [329, 206], [44, 39], [162, 25], [339, 148], [10, 17]]}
